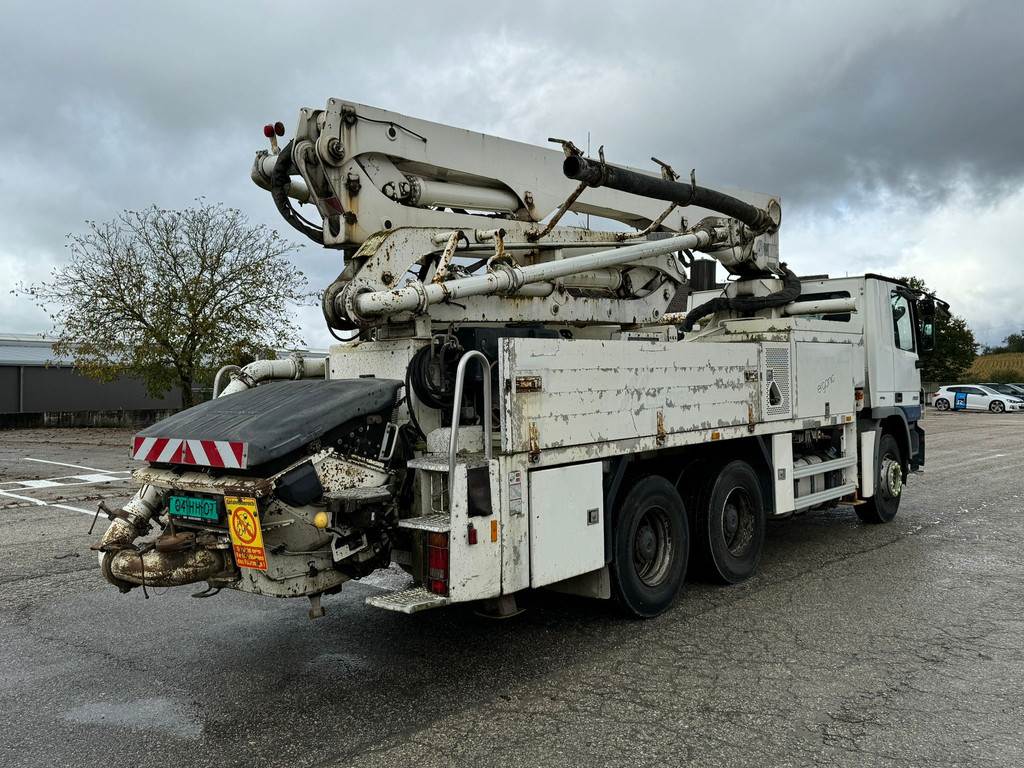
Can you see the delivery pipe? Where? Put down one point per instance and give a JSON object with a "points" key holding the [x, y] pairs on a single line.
{"points": [[597, 174], [294, 367], [263, 172], [503, 279]]}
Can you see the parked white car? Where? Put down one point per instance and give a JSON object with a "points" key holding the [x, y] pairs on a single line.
{"points": [[975, 397]]}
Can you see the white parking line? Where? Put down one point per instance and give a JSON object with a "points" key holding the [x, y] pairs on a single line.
{"points": [[52, 482], [98, 476], [63, 464], [40, 503]]}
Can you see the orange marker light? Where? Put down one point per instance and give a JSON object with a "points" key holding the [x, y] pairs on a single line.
{"points": [[494, 530], [716, 435]]}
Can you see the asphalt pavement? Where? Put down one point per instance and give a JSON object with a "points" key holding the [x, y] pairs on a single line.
{"points": [[894, 645]]}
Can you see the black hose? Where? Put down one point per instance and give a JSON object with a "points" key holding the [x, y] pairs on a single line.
{"points": [[597, 174], [433, 383], [280, 178], [790, 291]]}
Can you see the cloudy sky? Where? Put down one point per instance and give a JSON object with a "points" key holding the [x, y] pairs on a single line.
{"points": [[893, 132]]}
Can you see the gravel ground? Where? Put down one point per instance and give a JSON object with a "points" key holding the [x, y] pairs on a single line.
{"points": [[855, 645]]}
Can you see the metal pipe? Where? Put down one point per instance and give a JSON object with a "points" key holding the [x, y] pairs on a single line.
{"points": [[823, 307], [453, 439], [220, 373], [598, 174], [295, 367], [262, 172], [506, 278]]}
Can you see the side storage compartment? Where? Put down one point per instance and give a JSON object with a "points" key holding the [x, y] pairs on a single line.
{"points": [[824, 379], [566, 522]]}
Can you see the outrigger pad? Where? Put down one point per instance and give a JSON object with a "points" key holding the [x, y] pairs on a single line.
{"points": [[258, 425]]}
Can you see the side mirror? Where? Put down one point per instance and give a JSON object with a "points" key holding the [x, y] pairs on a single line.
{"points": [[926, 324]]}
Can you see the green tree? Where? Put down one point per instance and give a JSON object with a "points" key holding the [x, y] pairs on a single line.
{"points": [[168, 295], [955, 345], [1012, 343]]}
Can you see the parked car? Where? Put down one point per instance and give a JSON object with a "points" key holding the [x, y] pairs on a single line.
{"points": [[1013, 390], [976, 397]]}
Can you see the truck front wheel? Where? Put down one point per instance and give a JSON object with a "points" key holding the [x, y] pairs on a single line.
{"points": [[730, 524], [650, 548], [882, 507]]}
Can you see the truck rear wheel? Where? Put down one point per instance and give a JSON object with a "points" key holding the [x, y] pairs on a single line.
{"points": [[882, 507], [650, 548], [730, 524]]}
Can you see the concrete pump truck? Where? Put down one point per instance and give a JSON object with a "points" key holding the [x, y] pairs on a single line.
{"points": [[523, 403]]}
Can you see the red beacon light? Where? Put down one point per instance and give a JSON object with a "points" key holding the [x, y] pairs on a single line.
{"points": [[272, 131]]}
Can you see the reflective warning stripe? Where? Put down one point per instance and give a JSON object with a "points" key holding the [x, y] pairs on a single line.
{"points": [[222, 454]]}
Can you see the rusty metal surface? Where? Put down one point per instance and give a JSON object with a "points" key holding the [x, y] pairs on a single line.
{"points": [[170, 569], [233, 485]]}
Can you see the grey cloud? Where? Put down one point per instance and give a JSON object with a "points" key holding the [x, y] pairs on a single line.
{"points": [[107, 106]]}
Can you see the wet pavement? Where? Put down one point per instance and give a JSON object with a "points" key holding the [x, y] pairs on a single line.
{"points": [[855, 645]]}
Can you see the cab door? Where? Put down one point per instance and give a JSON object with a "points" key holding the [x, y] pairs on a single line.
{"points": [[906, 378]]}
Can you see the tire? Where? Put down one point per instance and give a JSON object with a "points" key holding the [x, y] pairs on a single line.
{"points": [[650, 548], [882, 507], [942, 404], [997, 406], [730, 524]]}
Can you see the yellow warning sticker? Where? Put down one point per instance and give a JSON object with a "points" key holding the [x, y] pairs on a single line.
{"points": [[246, 536]]}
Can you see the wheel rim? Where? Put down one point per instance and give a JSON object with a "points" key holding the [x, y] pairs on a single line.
{"points": [[997, 407], [738, 521], [891, 475], [942, 405], [652, 546]]}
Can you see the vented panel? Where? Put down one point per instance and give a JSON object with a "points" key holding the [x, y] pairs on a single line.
{"points": [[776, 364]]}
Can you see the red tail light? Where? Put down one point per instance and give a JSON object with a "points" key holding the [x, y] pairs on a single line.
{"points": [[437, 563]]}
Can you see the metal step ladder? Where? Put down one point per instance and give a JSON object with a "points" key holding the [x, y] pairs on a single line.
{"points": [[418, 598]]}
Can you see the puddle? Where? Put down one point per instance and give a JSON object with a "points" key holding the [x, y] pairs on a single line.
{"points": [[161, 714]]}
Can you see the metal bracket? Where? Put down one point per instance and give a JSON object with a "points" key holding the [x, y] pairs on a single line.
{"points": [[667, 173], [534, 235], [534, 443], [570, 149]]}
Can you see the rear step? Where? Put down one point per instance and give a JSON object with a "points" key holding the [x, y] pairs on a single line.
{"points": [[433, 523], [412, 600]]}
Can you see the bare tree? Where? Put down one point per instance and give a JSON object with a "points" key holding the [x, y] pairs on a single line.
{"points": [[166, 295]]}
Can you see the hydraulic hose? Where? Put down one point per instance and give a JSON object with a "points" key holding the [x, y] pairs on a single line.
{"points": [[597, 174], [790, 291], [279, 181]]}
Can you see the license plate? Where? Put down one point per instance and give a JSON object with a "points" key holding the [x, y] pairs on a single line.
{"points": [[193, 508]]}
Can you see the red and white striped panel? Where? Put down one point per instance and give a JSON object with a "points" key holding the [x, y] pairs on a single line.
{"points": [[223, 454]]}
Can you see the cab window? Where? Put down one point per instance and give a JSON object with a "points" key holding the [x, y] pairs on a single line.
{"points": [[903, 322]]}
